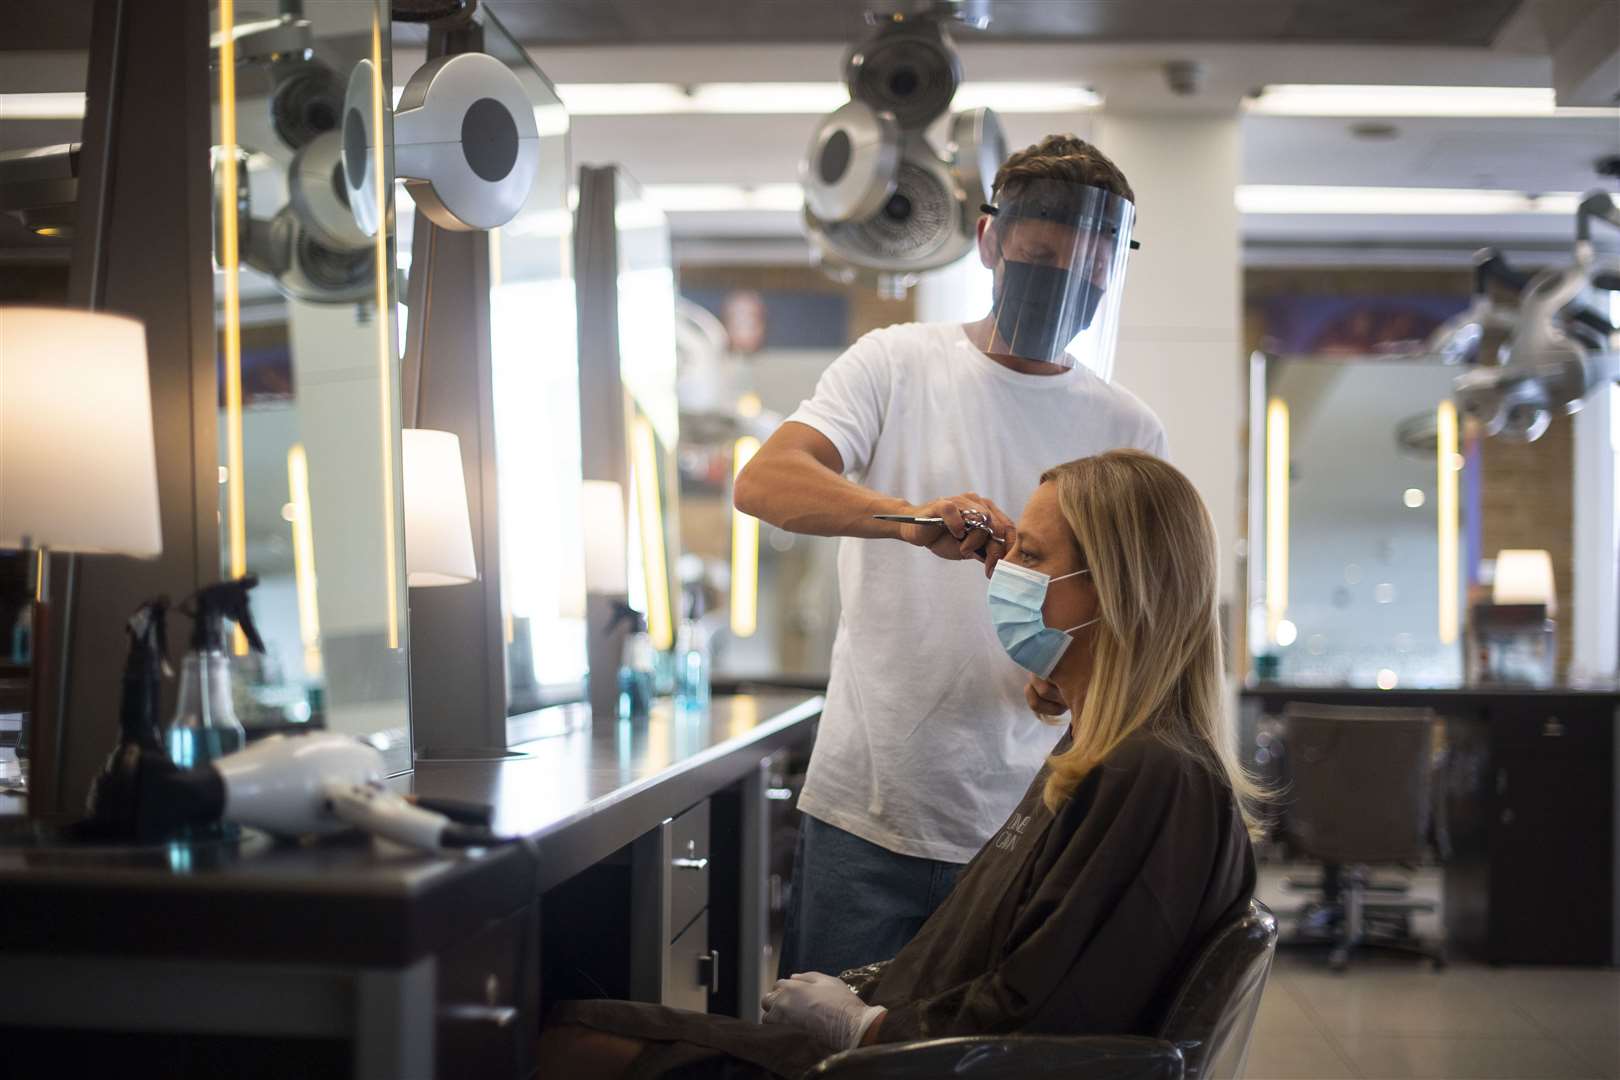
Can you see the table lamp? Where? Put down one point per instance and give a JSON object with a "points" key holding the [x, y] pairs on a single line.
{"points": [[78, 468], [438, 530], [1524, 576], [606, 586], [1513, 638]]}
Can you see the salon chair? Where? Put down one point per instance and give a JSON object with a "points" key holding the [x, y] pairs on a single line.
{"points": [[1362, 795], [1204, 1034]]}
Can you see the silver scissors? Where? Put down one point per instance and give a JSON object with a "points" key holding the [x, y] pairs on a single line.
{"points": [[972, 519]]}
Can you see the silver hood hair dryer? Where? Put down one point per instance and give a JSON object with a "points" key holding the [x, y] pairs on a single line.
{"points": [[1558, 348], [880, 203]]}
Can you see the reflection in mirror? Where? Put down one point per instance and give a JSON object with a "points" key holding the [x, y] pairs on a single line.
{"points": [[647, 366], [40, 138], [309, 423], [535, 371], [534, 389], [1358, 489]]}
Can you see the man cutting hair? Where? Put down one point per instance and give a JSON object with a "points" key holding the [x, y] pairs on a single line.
{"points": [[927, 739]]}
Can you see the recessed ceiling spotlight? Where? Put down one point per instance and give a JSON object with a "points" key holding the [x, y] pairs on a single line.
{"points": [[1373, 130]]}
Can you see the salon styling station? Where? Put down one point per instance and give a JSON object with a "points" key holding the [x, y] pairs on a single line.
{"points": [[1529, 780], [355, 958]]}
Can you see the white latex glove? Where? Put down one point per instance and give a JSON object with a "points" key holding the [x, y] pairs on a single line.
{"points": [[822, 1005]]}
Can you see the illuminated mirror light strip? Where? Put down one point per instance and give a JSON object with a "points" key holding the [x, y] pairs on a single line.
{"points": [[231, 332], [303, 537], [1447, 500], [744, 551], [1276, 516], [385, 347], [496, 279], [650, 517]]}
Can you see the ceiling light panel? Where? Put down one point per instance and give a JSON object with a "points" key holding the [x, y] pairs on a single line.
{"points": [[1408, 101], [65, 106], [801, 98], [1312, 199], [699, 198]]}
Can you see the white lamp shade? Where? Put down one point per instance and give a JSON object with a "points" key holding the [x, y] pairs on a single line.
{"points": [[438, 531], [1524, 576], [78, 471], [602, 514]]}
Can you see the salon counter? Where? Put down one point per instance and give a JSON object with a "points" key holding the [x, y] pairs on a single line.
{"points": [[584, 795], [367, 959], [1530, 813]]}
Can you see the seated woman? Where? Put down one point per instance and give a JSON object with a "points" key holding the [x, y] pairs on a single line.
{"points": [[1130, 848]]}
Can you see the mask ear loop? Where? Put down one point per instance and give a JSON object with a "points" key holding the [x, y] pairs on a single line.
{"points": [[1083, 625]]}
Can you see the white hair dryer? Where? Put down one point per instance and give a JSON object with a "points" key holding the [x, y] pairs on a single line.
{"points": [[287, 785]]}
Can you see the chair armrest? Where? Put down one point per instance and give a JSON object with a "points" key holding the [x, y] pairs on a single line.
{"points": [[1009, 1057], [862, 979]]}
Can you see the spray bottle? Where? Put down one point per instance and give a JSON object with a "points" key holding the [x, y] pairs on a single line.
{"points": [[205, 726], [112, 797]]}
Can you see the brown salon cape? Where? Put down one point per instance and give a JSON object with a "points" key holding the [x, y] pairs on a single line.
{"points": [[1072, 923]]}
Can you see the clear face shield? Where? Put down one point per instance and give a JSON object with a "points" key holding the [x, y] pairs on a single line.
{"points": [[1059, 251]]}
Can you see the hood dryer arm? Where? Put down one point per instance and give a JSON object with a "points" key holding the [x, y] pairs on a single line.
{"points": [[1600, 206]]}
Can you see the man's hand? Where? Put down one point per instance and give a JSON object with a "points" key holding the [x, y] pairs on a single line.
{"points": [[1044, 697], [975, 528]]}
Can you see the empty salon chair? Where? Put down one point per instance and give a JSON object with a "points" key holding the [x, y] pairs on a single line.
{"points": [[1361, 796], [1205, 1033]]}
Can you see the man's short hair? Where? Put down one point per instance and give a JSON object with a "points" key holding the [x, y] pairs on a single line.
{"points": [[1061, 157]]}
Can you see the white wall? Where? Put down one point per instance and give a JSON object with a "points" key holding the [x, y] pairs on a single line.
{"points": [[1596, 542], [1180, 328]]}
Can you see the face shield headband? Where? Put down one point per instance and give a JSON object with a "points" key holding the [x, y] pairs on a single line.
{"points": [[1060, 251]]}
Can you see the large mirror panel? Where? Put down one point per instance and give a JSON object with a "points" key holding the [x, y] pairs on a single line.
{"points": [[535, 372], [647, 366], [310, 496], [1358, 488]]}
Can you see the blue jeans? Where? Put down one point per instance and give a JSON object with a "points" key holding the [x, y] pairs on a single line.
{"points": [[853, 902]]}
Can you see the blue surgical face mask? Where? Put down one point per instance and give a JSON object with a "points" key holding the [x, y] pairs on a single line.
{"points": [[1017, 595]]}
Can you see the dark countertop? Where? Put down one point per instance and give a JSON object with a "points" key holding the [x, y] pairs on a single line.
{"points": [[579, 796], [584, 795], [1455, 694]]}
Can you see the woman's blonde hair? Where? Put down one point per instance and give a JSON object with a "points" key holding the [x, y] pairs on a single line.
{"points": [[1150, 545]]}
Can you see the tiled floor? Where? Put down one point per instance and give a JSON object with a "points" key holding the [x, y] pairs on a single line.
{"points": [[1390, 1019]]}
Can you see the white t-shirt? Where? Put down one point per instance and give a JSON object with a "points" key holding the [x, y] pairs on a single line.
{"points": [[926, 744]]}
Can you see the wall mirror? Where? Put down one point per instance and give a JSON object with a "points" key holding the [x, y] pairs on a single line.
{"points": [[1356, 482], [647, 366], [534, 373], [309, 485]]}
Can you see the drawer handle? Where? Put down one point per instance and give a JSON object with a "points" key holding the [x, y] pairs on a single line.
{"points": [[709, 970], [1552, 727], [499, 1017], [779, 794], [689, 864]]}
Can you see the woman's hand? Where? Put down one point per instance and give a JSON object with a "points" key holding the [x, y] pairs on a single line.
{"points": [[1044, 698], [824, 1007]]}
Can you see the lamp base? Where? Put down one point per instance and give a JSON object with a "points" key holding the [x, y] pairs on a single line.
{"points": [[40, 736], [605, 633]]}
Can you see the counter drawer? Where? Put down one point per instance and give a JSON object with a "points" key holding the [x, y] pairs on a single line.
{"points": [[687, 866], [485, 1016], [669, 900], [690, 968]]}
